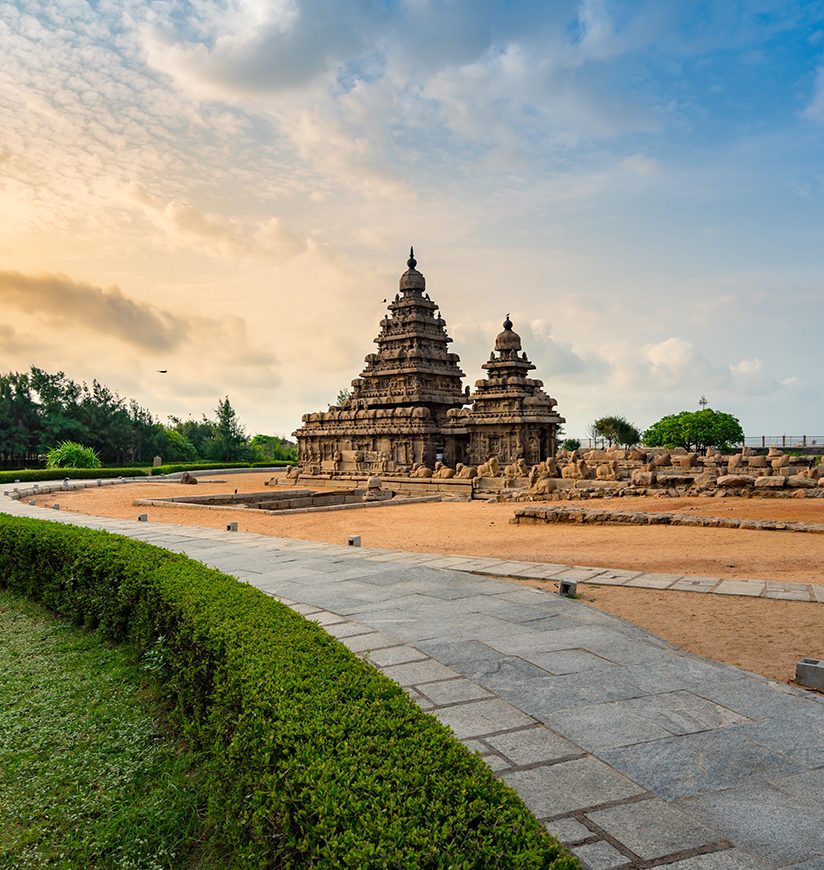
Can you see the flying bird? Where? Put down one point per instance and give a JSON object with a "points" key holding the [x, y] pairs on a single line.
{"points": [[162, 371]]}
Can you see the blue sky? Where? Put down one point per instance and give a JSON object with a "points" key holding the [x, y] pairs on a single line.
{"points": [[228, 190]]}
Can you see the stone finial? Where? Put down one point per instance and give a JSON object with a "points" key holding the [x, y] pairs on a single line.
{"points": [[508, 340], [412, 278]]}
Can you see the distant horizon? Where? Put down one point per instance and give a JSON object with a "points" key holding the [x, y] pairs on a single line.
{"points": [[228, 191]]}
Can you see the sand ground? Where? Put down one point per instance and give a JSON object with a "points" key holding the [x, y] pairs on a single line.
{"points": [[760, 635]]}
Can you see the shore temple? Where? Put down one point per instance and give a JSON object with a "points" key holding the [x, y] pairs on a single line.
{"points": [[408, 406]]}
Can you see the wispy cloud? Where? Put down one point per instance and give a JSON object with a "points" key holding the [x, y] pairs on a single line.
{"points": [[62, 300]]}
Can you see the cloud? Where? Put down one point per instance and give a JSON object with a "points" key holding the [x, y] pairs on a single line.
{"points": [[265, 49], [63, 300], [747, 367], [215, 234], [814, 110], [671, 356]]}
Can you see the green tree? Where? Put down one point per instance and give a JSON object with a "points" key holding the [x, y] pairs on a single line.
{"points": [[696, 430], [229, 440], [177, 447], [267, 448], [616, 430]]}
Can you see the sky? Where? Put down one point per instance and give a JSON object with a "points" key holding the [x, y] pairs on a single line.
{"points": [[228, 191]]}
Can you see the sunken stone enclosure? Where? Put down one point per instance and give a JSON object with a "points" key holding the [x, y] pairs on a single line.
{"points": [[408, 413]]}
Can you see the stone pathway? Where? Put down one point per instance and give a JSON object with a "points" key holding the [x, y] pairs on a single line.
{"points": [[633, 752]]}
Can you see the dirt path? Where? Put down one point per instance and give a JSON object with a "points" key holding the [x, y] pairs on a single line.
{"points": [[764, 636]]}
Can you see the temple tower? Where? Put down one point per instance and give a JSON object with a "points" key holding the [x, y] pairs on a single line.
{"points": [[511, 416], [398, 406]]}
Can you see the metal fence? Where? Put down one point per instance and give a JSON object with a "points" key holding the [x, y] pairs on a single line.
{"points": [[790, 442]]}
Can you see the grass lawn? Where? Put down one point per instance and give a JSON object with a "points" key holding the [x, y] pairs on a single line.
{"points": [[89, 774]]}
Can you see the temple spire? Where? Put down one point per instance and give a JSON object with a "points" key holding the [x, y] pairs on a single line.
{"points": [[411, 262]]}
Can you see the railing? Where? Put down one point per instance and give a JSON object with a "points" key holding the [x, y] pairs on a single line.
{"points": [[790, 442]]}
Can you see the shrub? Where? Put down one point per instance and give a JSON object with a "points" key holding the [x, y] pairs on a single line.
{"points": [[70, 454], [571, 444], [313, 757]]}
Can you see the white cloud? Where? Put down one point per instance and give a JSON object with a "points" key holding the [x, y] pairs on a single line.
{"points": [[673, 355]]}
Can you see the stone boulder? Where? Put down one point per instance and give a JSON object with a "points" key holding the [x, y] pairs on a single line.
{"points": [[777, 481], [780, 462], [756, 462], [735, 462], [662, 460], [187, 478], [644, 478], [731, 481], [685, 460], [802, 481]]}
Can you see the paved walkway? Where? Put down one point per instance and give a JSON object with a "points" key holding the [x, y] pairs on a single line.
{"points": [[633, 752]]}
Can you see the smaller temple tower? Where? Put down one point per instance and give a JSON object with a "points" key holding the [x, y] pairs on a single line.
{"points": [[511, 417]]}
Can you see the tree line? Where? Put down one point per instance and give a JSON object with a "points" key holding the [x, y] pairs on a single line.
{"points": [[39, 410], [692, 430]]}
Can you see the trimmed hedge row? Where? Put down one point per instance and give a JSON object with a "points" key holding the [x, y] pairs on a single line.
{"points": [[28, 474], [314, 758]]}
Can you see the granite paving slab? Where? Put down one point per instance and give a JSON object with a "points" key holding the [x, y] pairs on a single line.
{"points": [[762, 818], [689, 764], [536, 745], [654, 829], [483, 717], [559, 789], [601, 856]]}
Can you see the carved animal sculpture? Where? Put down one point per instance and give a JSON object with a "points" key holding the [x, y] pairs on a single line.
{"points": [[490, 468], [576, 470], [608, 471], [466, 472], [517, 469], [443, 472], [421, 471], [542, 486]]}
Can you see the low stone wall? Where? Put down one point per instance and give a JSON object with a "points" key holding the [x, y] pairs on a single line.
{"points": [[583, 516], [400, 485]]}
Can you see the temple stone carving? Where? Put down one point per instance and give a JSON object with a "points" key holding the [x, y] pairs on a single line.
{"points": [[408, 409], [511, 417]]}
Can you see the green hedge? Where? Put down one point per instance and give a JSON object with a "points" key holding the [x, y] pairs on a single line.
{"points": [[314, 758], [275, 463], [29, 474]]}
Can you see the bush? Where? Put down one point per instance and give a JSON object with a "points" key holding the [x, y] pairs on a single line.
{"points": [[313, 757], [275, 463], [30, 474], [571, 444], [70, 454]]}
